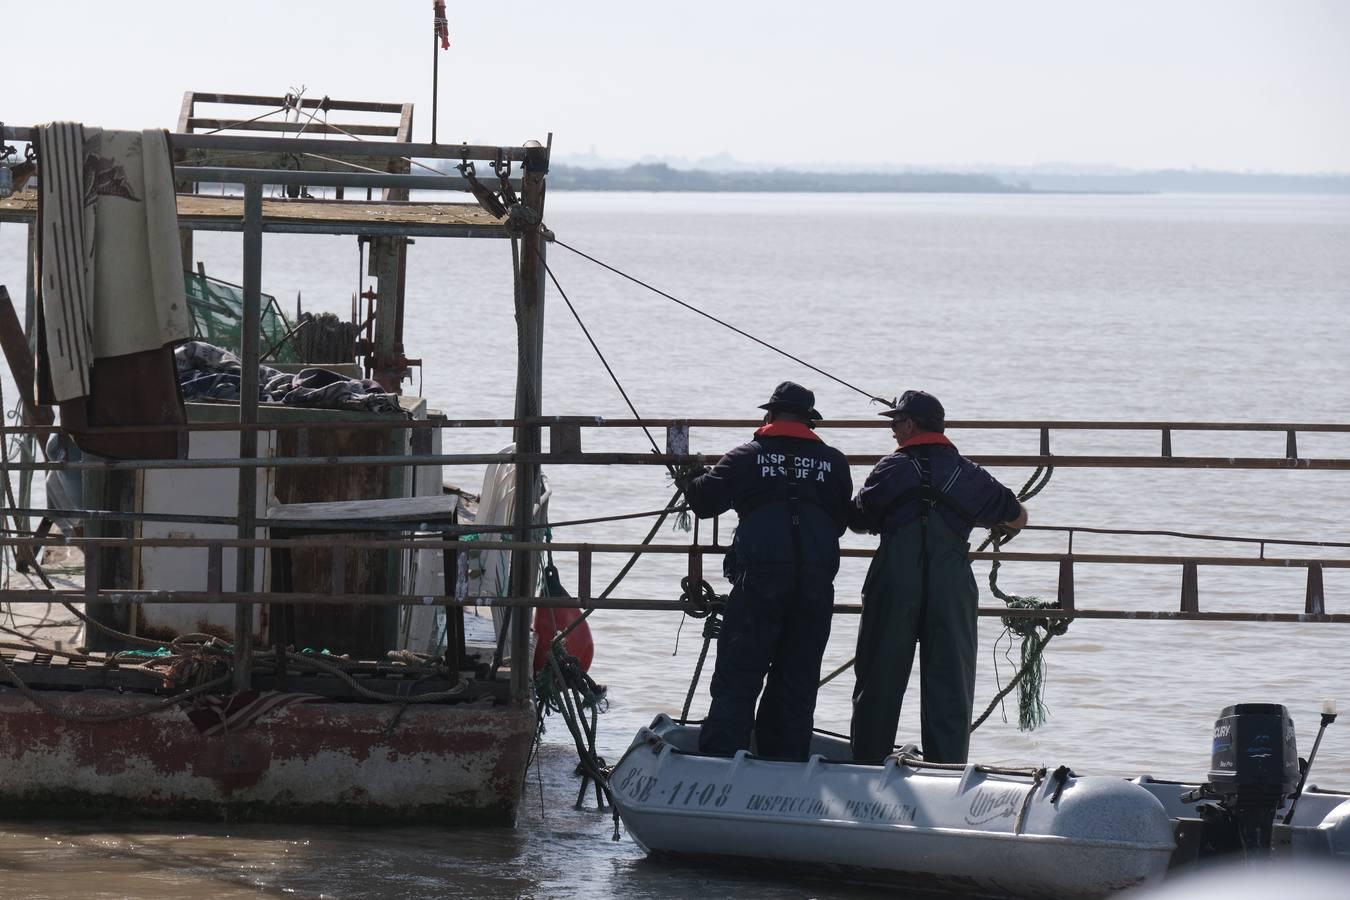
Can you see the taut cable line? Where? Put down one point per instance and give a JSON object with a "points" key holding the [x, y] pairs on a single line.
{"points": [[596, 347], [724, 324]]}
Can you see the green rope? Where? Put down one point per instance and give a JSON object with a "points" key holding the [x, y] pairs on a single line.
{"points": [[1035, 633]]}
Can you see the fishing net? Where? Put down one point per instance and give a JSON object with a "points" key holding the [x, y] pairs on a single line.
{"points": [[217, 309]]}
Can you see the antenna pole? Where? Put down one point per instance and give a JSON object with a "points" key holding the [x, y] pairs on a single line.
{"points": [[435, 79]]}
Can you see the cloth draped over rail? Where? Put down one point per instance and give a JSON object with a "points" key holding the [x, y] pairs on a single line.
{"points": [[111, 284]]}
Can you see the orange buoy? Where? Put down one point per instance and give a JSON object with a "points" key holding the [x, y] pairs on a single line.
{"points": [[550, 620]]}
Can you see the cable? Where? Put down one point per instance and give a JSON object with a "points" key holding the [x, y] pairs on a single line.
{"points": [[725, 324], [586, 331]]}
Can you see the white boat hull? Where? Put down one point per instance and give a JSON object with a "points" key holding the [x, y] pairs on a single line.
{"points": [[967, 830]]}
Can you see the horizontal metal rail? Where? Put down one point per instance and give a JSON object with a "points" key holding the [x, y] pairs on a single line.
{"points": [[602, 422], [312, 178], [1066, 606], [310, 102], [330, 147], [677, 459], [140, 598], [1272, 562]]}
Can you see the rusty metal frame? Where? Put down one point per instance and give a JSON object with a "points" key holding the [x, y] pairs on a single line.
{"points": [[1189, 607]]}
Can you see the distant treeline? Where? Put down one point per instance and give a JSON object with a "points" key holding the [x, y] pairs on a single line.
{"points": [[661, 177], [1191, 181]]}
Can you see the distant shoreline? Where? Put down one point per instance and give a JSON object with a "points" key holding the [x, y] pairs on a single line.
{"points": [[659, 177]]}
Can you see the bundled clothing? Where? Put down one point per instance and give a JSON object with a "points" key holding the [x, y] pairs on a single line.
{"points": [[110, 287], [792, 494], [209, 372], [111, 261], [923, 500]]}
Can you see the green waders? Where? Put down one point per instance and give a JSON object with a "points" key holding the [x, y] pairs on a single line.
{"points": [[897, 612]]}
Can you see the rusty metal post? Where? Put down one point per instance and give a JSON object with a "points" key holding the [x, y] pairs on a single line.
{"points": [[529, 387], [1315, 603], [248, 437], [695, 572], [1066, 598], [1190, 588], [584, 575]]}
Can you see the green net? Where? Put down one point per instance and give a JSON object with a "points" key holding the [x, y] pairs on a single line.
{"points": [[217, 309]]}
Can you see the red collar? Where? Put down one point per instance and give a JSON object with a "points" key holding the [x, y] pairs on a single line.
{"points": [[787, 429], [926, 438]]}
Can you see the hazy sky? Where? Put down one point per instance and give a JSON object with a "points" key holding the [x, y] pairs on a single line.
{"points": [[1211, 83]]}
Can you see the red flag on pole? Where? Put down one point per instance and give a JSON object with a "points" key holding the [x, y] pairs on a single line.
{"points": [[442, 26]]}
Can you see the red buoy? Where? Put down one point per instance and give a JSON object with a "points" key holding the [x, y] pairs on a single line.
{"points": [[550, 620]]}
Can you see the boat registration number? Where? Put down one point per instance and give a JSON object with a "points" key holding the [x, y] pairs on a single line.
{"points": [[642, 788]]}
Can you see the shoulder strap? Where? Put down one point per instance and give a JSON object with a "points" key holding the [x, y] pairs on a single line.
{"points": [[926, 493]]}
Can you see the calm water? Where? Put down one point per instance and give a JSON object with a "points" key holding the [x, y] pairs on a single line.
{"points": [[1151, 307]]}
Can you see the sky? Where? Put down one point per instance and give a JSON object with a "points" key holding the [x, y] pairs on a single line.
{"points": [[1217, 84]]}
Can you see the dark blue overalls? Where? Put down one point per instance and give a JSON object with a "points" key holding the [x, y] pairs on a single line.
{"points": [[792, 494], [923, 501]]}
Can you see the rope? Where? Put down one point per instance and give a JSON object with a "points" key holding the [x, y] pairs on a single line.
{"points": [[1012, 683], [270, 112], [563, 687], [55, 709], [712, 628], [1030, 677], [724, 324], [596, 347]]}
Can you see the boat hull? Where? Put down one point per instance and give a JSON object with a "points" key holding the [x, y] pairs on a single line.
{"points": [[311, 762], [966, 831]]}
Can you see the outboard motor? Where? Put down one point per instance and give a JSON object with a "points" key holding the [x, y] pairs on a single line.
{"points": [[1254, 766]]}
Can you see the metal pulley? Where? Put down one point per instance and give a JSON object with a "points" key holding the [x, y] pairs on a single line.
{"points": [[485, 197]]}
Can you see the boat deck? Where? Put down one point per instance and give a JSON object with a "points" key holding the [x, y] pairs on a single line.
{"points": [[204, 212], [61, 632]]}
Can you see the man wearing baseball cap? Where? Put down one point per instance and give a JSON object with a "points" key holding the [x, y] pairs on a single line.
{"points": [[923, 500], [791, 493]]}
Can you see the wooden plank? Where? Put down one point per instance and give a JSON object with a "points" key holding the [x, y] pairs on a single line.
{"points": [[252, 159], [405, 123], [192, 207], [309, 128], [305, 102], [413, 510], [185, 110]]}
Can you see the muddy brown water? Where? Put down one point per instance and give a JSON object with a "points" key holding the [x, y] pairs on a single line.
{"points": [[1150, 307]]}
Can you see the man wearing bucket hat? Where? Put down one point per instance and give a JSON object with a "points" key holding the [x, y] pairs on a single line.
{"points": [[923, 500], [792, 494]]}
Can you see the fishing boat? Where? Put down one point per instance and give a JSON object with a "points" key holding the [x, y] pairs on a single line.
{"points": [[978, 829], [210, 518]]}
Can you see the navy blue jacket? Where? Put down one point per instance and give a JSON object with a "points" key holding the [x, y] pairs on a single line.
{"points": [[889, 498], [755, 479]]}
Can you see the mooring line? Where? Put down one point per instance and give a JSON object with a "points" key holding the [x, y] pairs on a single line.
{"points": [[722, 322], [596, 347]]}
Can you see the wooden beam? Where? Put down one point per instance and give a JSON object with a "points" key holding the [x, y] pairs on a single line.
{"points": [[20, 359], [309, 128], [305, 102], [529, 387]]}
